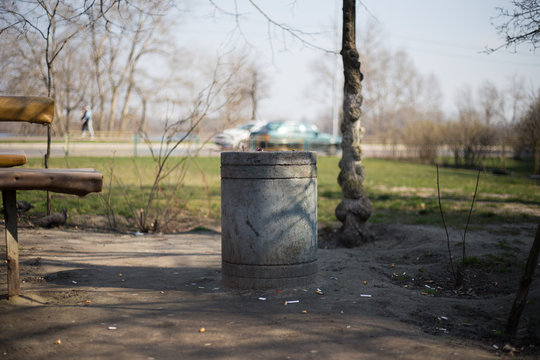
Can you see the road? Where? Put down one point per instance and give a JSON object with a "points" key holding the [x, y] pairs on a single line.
{"points": [[125, 148], [105, 149]]}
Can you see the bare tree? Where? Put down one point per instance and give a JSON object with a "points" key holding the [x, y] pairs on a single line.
{"points": [[422, 134], [154, 210], [491, 102], [241, 96], [528, 130], [256, 89], [355, 208], [19, 75], [55, 23], [134, 31], [471, 128], [72, 89], [237, 108], [392, 86], [51, 22], [519, 25], [97, 53], [515, 105]]}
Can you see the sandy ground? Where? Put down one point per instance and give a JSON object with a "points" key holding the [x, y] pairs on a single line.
{"points": [[90, 295]]}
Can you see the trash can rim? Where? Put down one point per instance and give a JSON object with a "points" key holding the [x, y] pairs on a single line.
{"points": [[256, 158]]}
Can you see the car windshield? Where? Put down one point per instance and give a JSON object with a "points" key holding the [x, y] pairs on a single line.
{"points": [[247, 126], [292, 127], [274, 125], [251, 126]]}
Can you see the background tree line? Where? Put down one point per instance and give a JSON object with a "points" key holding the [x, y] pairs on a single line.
{"points": [[402, 109], [120, 58], [126, 61]]}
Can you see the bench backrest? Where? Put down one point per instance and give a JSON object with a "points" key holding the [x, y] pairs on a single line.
{"points": [[33, 109]]}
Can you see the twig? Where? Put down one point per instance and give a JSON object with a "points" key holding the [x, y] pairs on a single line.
{"points": [[469, 217], [295, 33], [445, 227], [106, 197]]}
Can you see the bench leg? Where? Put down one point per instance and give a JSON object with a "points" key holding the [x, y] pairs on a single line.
{"points": [[9, 198]]}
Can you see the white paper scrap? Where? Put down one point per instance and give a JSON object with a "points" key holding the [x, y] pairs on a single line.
{"points": [[292, 301]]}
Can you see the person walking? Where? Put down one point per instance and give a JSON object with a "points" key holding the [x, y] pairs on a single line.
{"points": [[87, 123]]}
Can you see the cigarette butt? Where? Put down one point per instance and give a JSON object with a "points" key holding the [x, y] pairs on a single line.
{"points": [[201, 330]]}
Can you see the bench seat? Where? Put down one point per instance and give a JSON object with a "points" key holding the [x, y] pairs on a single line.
{"points": [[67, 181]]}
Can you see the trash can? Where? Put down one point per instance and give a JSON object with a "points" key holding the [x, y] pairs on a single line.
{"points": [[268, 219]]}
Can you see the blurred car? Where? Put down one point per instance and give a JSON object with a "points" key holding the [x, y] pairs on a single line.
{"points": [[294, 135], [237, 137]]}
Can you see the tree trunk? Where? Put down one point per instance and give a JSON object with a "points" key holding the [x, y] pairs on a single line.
{"points": [[112, 114], [537, 157], [355, 208], [97, 56], [523, 291], [254, 93], [123, 114]]}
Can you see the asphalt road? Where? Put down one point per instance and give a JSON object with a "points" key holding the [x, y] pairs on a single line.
{"points": [[126, 148], [97, 148]]}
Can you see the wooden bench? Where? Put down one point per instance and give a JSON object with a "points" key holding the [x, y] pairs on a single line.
{"points": [[79, 182]]}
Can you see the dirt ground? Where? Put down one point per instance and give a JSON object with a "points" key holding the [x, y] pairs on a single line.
{"points": [[92, 295]]}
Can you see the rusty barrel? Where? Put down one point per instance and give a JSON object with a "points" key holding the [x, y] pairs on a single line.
{"points": [[268, 219]]}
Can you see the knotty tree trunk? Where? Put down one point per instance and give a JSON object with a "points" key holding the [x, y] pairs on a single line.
{"points": [[355, 208]]}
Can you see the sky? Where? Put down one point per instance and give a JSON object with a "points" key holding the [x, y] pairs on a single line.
{"points": [[444, 38]]}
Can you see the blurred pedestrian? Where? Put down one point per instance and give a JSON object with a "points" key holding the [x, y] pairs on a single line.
{"points": [[87, 123]]}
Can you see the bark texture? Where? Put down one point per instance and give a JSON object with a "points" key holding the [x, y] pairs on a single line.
{"points": [[355, 208]]}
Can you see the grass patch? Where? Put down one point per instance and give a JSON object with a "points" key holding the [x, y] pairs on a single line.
{"points": [[433, 292], [503, 244], [503, 263], [471, 261], [400, 192]]}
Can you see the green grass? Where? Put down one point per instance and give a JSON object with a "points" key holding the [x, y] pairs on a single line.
{"points": [[400, 192], [403, 192], [503, 263]]}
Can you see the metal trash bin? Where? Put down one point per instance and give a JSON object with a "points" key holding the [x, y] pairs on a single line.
{"points": [[268, 219]]}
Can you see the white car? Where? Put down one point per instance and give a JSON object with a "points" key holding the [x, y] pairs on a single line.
{"points": [[238, 137]]}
